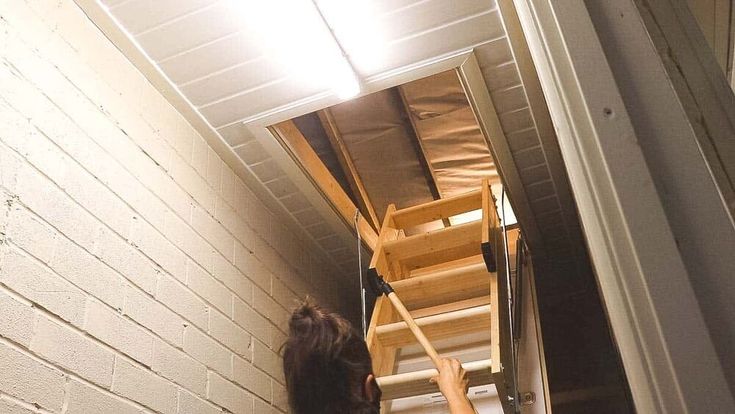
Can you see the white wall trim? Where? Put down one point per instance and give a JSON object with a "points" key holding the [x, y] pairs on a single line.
{"points": [[669, 358]]}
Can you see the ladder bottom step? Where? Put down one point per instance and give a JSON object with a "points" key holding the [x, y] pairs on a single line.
{"points": [[410, 384]]}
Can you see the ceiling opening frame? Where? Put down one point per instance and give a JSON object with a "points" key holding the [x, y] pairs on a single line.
{"points": [[287, 149]]}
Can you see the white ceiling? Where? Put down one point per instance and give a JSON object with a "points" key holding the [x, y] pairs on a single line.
{"points": [[225, 69], [225, 72]]}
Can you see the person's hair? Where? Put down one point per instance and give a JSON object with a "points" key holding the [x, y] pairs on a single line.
{"points": [[325, 362]]}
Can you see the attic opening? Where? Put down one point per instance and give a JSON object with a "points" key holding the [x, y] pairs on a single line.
{"points": [[405, 145]]}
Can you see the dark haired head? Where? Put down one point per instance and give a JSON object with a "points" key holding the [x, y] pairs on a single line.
{"points": [[327, 365]]}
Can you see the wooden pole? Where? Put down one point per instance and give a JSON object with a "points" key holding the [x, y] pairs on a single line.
{"points": [[423, 340]]}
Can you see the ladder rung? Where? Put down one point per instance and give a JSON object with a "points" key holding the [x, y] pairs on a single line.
{"points": [[448, 285], [449, 307], [417, 383], [466, 261], [437, 210], [467, 234], [443, 325]]}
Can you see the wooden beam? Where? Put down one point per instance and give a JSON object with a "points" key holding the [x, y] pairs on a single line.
{"points": [[348, 166], [464, 251], [417, 382], [436, 210], [444, 286], [433, 242], [466, 261], [451, 306], [443, 325], [388, 233], [489, 223], [383, 357], [494, 324], [421, 153], [296, 144]]}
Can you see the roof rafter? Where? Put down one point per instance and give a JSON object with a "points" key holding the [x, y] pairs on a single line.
{"points": [[294, 141], [348, 166]]}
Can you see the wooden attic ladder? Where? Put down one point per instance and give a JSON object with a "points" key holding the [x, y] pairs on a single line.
{"points": [[451, 281]]}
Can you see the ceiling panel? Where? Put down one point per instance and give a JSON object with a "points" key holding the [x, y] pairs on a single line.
{"points": [[220, 64], [440, 41], [142, 15], [522, 139], [428, 16], [239, 78], [220, 54], [247, 104], [509, 99], [191, 30], [516, 120]]}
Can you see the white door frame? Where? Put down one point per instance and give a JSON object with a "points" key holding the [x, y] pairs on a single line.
{"points": [[668, 355]]}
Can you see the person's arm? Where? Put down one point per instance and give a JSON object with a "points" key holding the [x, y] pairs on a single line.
{"points": [[453, 384]]}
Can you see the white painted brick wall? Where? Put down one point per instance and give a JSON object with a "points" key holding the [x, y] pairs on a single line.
{"points": [[222, 328], [180, 368], [139, 384], [138, 273], [252, 378], [17, 319], [29, 379], [183, 301], [9, 406], [208, 351], [252, 321], [83, 399], [229, 395], [73, 351], [153, 315], [191, 404], [119, 332]]}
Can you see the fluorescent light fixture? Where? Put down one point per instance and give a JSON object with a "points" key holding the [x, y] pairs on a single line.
{"points": [[357, 26], [295, 36]]}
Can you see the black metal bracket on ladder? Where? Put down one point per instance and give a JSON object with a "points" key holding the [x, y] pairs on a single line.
{"points": [[377, 283], [488, 257]]}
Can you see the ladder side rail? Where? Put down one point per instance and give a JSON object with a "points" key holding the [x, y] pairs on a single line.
{"points": [[383, 357]]}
